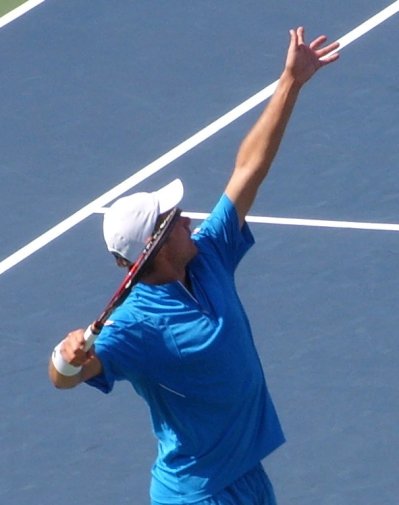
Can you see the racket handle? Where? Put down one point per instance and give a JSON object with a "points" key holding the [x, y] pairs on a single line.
{"points": [[90, 336]]}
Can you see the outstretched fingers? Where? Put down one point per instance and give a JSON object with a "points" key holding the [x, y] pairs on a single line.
{"points": [[317, 42], [297, 37], [327, 54], [322, 52], [300, 35]]}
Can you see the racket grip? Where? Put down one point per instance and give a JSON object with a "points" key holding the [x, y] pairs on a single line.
{"points": [[90, 336]]}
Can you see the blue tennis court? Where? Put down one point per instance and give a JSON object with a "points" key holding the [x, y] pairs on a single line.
{"points": [[93, 93]]}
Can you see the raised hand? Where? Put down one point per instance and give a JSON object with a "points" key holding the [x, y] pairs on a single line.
{"points": [[304, 60]]}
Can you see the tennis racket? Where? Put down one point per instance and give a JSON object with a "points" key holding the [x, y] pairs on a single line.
{"points": [[136, 270]]}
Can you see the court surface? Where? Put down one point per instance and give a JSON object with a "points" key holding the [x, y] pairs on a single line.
{"points": [[93, 93]]}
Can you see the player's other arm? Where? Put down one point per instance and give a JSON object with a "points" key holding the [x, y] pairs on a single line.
{"points": [[259, 147], [72, 350]]}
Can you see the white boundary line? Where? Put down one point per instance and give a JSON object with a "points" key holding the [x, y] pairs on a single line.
{"points": [[319, 223], [19, 11], [176, 152]]}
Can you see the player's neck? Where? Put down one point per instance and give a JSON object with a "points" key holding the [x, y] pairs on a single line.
{"points": [[168, 273]]}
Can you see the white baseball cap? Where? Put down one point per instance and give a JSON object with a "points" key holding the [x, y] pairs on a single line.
{"points": [[130, 221]]}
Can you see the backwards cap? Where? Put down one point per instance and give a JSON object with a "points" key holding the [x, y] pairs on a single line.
{"points": [[130, 221]]}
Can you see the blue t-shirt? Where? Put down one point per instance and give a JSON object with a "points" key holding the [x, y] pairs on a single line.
{"points": [[191, 356]]}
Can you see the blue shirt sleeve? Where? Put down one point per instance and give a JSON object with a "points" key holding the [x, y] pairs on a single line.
{"points": [[120, 350], [221, 231]]}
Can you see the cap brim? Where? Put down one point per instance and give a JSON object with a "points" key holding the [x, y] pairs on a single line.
{"points": [[170, 195]]}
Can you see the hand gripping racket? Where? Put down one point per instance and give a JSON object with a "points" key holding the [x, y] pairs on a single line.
{"points": [[149, 252]]}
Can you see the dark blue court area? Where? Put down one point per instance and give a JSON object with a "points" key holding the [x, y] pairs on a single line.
{"points": [[92, 92]]}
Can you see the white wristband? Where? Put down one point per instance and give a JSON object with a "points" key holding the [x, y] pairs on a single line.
{"points": [[62, 366]]}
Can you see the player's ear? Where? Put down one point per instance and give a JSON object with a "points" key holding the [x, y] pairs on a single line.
{"points": [[122, 262]]}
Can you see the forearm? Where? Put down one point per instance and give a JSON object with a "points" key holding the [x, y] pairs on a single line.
{"points": [[62, 381], [70, 362], [261, 144], [259, 147]]}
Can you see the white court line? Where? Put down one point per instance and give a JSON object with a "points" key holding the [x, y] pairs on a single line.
{"points": [[320, 223], [19, 11], [176, 152]]}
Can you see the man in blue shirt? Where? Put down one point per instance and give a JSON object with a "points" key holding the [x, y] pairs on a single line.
{"points": [[182, 338]]}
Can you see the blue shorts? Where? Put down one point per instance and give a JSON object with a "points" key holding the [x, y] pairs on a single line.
{"points": [[253, 488]]}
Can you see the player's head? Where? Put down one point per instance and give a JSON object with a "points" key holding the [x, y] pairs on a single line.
{"points": [[131, 220]]}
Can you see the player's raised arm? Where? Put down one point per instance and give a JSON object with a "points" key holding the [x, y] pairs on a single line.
{"points": [[260, 146]]}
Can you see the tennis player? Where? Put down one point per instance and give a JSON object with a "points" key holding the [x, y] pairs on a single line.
{"points": [[182, 338]]}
